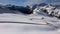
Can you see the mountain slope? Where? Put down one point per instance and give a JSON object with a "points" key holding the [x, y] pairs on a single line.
{"points": [[39, 22]]}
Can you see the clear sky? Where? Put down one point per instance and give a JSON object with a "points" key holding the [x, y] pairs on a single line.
{"points": [[26, 2]]}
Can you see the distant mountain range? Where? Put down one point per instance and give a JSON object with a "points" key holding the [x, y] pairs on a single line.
{"points": [[42, 8]]}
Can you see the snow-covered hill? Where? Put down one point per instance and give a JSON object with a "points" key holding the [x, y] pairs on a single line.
{"points": [[15, 22], [28, 24]]}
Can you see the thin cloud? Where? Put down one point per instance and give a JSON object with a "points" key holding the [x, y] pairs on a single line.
{"points": [[31, 2], [27, 2], [20, 2]]}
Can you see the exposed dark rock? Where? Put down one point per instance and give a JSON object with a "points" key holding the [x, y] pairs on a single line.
{"points": [[43, 4], [34, 6], [25, 10]]}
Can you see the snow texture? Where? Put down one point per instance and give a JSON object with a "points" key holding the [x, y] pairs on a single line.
{"points": [[36, 23]]}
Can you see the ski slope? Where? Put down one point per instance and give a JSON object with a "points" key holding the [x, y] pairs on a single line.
{"points": [[34, 24]]}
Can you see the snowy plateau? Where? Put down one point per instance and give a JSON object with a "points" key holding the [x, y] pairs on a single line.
{"points": [[44, 20]]}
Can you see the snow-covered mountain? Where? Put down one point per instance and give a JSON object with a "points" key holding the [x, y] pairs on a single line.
{"points": [[47, 9], [40, 9], [13, 21]]}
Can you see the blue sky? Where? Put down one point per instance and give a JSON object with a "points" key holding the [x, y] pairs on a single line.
{"points": [[26, 2]]}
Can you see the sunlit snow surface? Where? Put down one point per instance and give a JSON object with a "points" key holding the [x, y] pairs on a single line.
{"points": [[20, 28]]}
